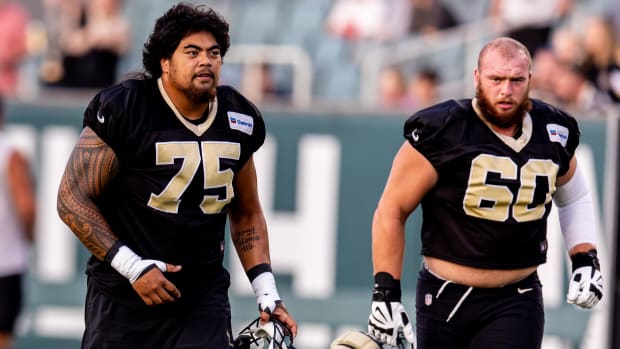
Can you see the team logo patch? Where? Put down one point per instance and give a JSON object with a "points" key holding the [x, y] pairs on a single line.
{"points": [[557, 133], [241, 122], [428, 299]]}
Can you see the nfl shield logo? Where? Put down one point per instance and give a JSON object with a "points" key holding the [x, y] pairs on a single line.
{"points": [[428, 299]]}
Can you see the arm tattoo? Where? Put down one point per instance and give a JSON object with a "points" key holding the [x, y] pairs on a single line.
{"points": [[90, 168], [245, 240]]}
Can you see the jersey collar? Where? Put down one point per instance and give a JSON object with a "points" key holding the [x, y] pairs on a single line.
{"points": [[199, 129], [515, 144]]}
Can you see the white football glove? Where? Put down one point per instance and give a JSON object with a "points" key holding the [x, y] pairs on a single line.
{"points": [[387, 320], [585, 287]]}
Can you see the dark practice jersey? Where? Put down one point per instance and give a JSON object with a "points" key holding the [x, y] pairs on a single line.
{"points": [[490, 205], [170, 199]]}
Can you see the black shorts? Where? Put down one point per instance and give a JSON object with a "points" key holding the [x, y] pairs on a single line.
{"points": [[10, 301], [479, 318], [195, 321]]}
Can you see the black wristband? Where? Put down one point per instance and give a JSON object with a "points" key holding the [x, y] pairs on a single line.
{"points": [[112, 251], [257, 270], [585, 259], [386, 289]]}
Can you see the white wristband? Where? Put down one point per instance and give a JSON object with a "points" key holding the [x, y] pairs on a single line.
{"points": [[131, 266], [264, 286]]}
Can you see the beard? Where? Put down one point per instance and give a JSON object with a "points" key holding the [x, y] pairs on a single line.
{"points": [[194, 94], [199, 96], [505, 121]]}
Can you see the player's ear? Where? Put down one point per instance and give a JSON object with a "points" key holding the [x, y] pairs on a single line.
{"points": [[165, 65]]}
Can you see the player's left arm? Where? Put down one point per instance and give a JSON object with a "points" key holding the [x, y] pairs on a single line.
{"points": [[248, 230], [576, 213]]}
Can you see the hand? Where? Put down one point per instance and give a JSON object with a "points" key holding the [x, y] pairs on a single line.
{"points": [[281, 314], [387, 320], [585, 287], [145, 275], [154, 288]]}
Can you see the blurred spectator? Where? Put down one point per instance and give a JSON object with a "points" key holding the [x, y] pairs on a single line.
{"points": [[375, 20], [259, 84], [92, 36], [601, 46], [393, 90], [578, 95], [529, 21], [17, 214], [567, 46], [423, 88], [429, 16], [14, 19], [545, 65]]}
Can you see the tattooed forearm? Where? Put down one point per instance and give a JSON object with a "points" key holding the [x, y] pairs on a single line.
{"points": [[90, 168], [246, 240]]}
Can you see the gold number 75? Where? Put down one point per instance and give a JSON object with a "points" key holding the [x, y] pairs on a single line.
{"points": [[192, 154]]}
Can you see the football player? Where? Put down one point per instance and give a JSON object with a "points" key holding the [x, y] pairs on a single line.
{"points": [[163, 161], [485, 171], [18, 211]]}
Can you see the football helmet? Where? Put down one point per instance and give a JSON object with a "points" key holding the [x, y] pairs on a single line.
{"points": [[362, 340], [270, 335]]}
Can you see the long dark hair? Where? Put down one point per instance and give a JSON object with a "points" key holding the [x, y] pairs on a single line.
{"points": [[179, 21]]}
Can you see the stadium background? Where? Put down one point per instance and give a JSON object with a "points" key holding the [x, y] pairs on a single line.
{"points": [[321, 172]]}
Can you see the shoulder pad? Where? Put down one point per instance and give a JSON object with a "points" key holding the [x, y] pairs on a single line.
{"points": [[133, 84]]}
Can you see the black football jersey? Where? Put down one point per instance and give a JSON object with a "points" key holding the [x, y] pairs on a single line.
{"points": [[170, 199], [490, 205]]}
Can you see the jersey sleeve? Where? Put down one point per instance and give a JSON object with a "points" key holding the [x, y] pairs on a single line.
{"points": [[425, 131], [258, 136], [244, 118], [105, 115], [574, 133], [562, 129]]}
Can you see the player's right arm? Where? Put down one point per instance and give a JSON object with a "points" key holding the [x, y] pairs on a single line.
{"points": [[411, 177], [91, 167]]}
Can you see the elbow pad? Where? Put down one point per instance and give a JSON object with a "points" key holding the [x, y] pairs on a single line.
{"points": [[576, 211]]}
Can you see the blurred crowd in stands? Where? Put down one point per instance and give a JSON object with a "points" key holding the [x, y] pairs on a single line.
{"points": [[80, 45]]}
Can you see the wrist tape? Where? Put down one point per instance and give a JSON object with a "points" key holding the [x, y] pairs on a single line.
{"points": [[265, 284], [129, 264]]}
